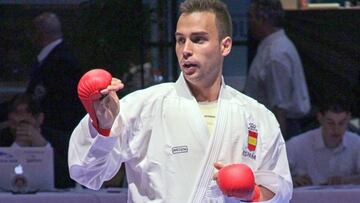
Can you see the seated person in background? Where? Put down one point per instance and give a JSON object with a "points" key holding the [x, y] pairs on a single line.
{"points": [[25, 129], [329, 154], [24, 124]]}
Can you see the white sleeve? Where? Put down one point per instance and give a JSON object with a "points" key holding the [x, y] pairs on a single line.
{"points": [[93, 158], [273, 171]]}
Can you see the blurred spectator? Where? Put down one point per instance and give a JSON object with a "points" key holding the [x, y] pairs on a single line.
{"points": [[55, 75], [151, 76], [24, 128], [276, 78], [329, 154], [24, 124]]}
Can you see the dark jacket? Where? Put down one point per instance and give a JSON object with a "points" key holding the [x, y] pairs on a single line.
{"points": [[54, 84]]}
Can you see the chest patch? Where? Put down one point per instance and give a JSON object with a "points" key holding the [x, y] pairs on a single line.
{"points": [[252, 140], [179, 149], [252, 137]]}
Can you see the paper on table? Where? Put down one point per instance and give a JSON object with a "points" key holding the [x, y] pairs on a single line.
{"points": [[323, 5]]}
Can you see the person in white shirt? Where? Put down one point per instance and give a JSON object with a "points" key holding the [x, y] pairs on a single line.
{"points": [[173, 137], [329, 154], [276, 78]]}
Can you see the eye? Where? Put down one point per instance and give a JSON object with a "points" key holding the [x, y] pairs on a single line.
{"points": [[180, 40], [198, 39], [342, 123]]}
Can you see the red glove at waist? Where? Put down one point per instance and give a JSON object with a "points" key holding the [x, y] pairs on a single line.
{"points": [[237, 180], [89, 87]]}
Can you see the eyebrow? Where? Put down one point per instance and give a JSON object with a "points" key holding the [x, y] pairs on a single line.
{"points": [[194, 33], [342, 120]]}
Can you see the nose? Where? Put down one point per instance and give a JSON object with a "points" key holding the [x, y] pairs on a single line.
{"points": [[188, 49], [337, 130]]}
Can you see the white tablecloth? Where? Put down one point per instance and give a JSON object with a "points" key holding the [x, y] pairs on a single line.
{"points": [[327, 194], [314, 194], [81, 196]]}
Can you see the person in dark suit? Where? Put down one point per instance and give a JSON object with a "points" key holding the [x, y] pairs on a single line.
{"points": [[55, 75], [53, 84]]}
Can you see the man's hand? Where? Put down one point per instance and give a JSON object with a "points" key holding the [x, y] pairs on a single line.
{"points": [[264, 193], [97, 92], [237, 180], [108, 108], [28, 133]]}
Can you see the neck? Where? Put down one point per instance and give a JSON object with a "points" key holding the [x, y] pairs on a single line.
{"points": [[207, 92]]}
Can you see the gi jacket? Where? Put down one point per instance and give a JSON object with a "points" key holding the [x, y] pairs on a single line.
{"points": [[168, 152]]}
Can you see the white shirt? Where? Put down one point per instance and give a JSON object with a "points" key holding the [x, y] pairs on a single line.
{"points": [[276, 76], [47, 49], [308, 156], [168, 152]]}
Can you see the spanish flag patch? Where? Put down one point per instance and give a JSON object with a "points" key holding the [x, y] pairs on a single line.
{"points": [[252, 140]]}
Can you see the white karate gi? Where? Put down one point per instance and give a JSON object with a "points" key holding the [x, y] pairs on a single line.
{"points": [[168, 152]]}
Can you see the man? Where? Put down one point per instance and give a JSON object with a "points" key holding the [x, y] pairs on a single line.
{"points": [[25, 129], [276, 78], [55, 75], [168, 145], [329, 154]]}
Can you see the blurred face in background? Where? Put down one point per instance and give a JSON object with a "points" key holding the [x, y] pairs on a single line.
{"points": [[334, 126], [22, 116]]}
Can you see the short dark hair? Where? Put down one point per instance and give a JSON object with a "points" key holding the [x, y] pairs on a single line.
{"points": [[270, 11], [223, 18], [336, 104], [33, 106]]}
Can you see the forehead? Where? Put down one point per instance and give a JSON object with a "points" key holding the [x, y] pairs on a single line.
{"points": [[336, 116], [20, 108], [196, 22]]}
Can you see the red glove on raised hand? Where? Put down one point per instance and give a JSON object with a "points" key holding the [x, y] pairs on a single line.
{"points": [[89, 87], [237, 180]]}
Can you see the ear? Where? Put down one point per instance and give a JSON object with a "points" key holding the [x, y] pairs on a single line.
{"points": [[226, 45]]}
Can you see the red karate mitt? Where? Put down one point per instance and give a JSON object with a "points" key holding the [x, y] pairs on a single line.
{"points": [[237, 180], [89, 87]]}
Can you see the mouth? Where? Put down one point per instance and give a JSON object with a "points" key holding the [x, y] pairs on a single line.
{"points": [[188, 65], [189, 68]]}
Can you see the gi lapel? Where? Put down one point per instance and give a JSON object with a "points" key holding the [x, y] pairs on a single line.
{"points": [[195, 123], [213, 149]]}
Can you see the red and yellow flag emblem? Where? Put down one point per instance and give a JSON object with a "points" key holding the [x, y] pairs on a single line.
{"points": [[252, 140]]}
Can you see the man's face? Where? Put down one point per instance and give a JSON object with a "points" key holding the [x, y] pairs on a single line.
{"points": [[199, 51], [334, 125], [21, 115]]}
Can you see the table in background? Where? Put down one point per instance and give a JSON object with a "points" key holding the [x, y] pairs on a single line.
{"points": [[327, 194], [118, 195]]}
